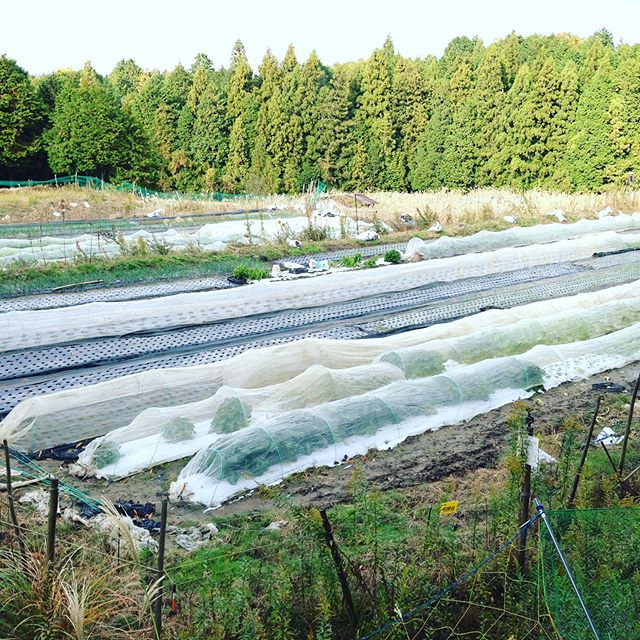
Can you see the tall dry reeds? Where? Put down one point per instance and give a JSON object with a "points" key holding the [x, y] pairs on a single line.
{"points": [[486, 205]]}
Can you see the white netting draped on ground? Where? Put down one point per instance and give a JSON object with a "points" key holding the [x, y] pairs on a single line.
{"points": [[518, 236], [149, 439], [269, 450], [79, 413], [24, 329], [216, 236], [209, 237]]}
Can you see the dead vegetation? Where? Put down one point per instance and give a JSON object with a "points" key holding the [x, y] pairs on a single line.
{"points": [[449, 208]]}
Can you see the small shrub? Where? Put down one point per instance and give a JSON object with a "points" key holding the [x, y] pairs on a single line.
{"points": [[370, 263], [232, 414], [393, 256], [351, 261], [250, 273], [106, 453], [178, 429]]}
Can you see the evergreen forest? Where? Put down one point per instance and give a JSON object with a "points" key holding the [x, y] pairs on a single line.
{"points": [[552, 112]]}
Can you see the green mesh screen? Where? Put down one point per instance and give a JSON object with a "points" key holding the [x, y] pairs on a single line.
{"points": [[97, 183], [129, 187], [601, 548]]}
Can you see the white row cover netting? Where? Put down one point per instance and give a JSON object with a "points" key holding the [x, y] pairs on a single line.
{"points": [[266, 452], [210, 237], [24, 329], [518, 236], [159, 435], [85, 412]]}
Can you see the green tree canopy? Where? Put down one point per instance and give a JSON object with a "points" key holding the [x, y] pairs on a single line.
{"points": [[22, 117]]}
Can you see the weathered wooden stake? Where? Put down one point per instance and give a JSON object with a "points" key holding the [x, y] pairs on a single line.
{"points": [[525, 500], [583, 459], [51, 522], [157, 603], [12, 508], [337, 560]]}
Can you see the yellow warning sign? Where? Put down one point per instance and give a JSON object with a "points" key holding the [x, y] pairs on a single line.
{"points": [[448, 508]]}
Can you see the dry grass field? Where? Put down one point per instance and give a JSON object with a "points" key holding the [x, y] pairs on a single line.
{"points": [[487, 205], [452, 209]]}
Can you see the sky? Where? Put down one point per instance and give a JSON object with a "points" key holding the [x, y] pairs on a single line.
{"points": [[43, 35]]}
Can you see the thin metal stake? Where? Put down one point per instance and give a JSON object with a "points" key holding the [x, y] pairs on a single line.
{"points": [[583, 459], [157, 604], [12, 508], [525, 500], [615, 469], [542, 513]]}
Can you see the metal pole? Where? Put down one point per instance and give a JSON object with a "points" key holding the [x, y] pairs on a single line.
{"points": [[157, 604], [566, 568], [51, 528], [525, 501], [12, 508], [587, 444], [613, 465], [628, 428]]}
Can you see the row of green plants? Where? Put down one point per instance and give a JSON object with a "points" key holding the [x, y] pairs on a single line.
{"points": [[142, 260]]}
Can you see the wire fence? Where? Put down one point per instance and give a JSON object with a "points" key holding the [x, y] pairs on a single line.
{"points": [[131, 187], [599, 545], [126, 187]]}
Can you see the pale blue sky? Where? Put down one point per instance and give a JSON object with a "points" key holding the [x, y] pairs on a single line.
{"points": [[43, 35]]}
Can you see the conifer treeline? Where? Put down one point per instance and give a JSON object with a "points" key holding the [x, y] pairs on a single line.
{"points": [[556, 112]]}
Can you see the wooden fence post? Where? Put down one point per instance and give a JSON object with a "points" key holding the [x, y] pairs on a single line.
{"points": [[51, 522]]}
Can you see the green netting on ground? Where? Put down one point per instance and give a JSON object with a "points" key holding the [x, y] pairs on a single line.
{"points": [[601, 548]]}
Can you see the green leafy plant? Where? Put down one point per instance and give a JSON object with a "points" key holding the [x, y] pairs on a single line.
{"points": [[393, 256], [250, 273], [106, 453], [178, 429], [232, 414], [351, 261]]}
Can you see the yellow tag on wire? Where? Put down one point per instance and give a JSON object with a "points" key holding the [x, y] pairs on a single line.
{"points": [[448, 508]]}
